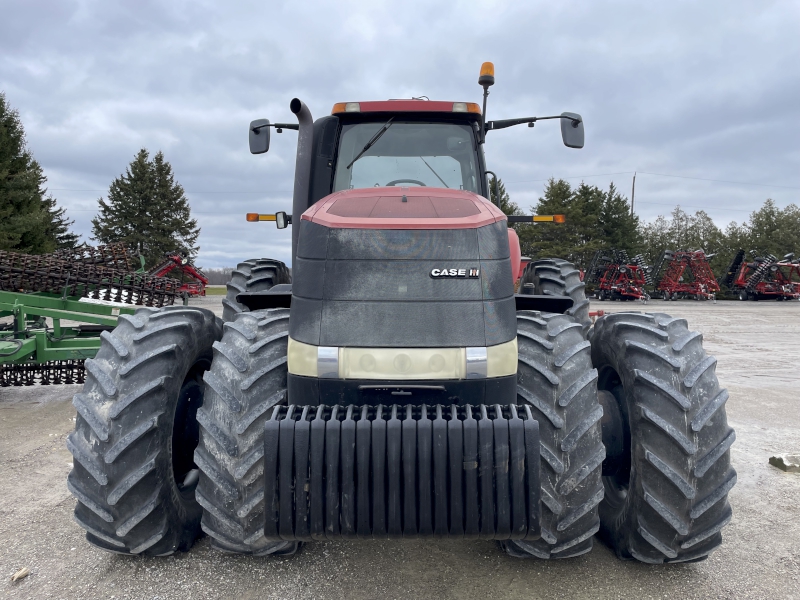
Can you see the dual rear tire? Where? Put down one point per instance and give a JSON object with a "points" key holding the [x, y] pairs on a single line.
{"points": [[652, 472], [254, 275], [634, 440]]}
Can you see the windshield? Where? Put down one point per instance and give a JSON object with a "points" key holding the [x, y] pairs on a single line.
{"points": [[407, 154]]}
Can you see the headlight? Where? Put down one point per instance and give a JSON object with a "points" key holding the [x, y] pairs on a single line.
{"points": [[402, 363]]}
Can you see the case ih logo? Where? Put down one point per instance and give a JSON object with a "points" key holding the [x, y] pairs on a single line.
{"points": [[440, 273]]}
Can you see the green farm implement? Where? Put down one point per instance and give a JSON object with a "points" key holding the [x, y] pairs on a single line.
{"points": [[48, 337], [54, 308]]}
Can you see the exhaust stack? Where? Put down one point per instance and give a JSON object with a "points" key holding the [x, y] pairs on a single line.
{"points": [[302, 169]]}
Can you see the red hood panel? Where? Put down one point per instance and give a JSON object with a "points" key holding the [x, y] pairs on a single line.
{"points": [[384, 208]]}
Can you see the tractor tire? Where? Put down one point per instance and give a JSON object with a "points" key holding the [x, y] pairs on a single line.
{"points": [[557, 277], [668, 473], [254, 275], [247, 378], [555, 377], [135, 432]]}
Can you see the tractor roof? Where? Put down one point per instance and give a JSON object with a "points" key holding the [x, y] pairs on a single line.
{"points": [[468, 109]]}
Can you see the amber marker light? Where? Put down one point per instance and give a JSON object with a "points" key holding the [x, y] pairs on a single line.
{"points": [[486, 77], [342, 107], [559, 218]]}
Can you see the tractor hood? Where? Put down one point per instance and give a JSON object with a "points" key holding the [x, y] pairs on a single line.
{"points": [[404, 208], [373, 270]]}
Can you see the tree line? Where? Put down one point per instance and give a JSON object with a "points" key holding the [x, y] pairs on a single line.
{"points": [[146, 208], [598, 219]]}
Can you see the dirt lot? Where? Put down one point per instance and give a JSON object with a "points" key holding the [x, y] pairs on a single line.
{"points": [[758, 347]]}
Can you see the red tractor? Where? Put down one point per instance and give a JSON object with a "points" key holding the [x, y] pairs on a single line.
{"points": [[764, 278], [687, 274], [394, 385]]}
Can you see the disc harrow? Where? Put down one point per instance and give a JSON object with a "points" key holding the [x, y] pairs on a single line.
{"points": [[686, 273], [765, 277], [617, 277]]}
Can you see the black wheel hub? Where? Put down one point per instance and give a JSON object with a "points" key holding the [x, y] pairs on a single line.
{"points": [[186, 433], [616, 436]]}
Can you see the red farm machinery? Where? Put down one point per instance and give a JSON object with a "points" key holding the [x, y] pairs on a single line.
{"points": [[392, 384], [764, 277], [617, 277], [686, 274], [193, 281]]}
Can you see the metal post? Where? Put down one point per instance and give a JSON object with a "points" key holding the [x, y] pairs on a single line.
{"points": [[633, 191]]}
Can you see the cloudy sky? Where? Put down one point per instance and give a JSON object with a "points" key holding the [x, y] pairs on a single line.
{"points": [[702, 99]]}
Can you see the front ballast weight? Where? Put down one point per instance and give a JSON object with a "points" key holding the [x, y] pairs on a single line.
{"points": [[401, 471]]}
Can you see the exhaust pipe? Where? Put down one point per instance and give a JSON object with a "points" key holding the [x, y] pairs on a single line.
{"points": [[302, 167]]}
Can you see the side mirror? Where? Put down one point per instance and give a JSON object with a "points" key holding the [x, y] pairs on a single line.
{"points": [[281, 221], [259, 136], [571, 131]]}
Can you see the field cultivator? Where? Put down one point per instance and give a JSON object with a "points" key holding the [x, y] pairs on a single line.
{"points": [[196, 286], [687, 275], [617, 277], [764, 278], [54, 309], [83, 279], [33, 351]]}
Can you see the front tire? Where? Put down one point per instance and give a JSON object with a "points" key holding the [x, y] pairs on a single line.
{"points": [[247, 378], [668, 472], [133, 474], [555, 377]]}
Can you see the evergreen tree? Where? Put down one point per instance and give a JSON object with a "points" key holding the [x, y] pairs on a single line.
{"points": [[58, 225], [594, 220], [505, 204], [30, 222], [542, 242], [148, 210], [620, 229]]}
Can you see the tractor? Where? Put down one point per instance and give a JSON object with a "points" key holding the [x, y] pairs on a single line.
{"points": [[392, 384]]}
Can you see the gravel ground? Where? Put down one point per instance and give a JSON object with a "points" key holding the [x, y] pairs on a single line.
{"points": [[758, 347]]}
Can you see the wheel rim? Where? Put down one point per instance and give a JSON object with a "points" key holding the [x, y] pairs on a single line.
{"points": [[617, 466], [186, 430]]}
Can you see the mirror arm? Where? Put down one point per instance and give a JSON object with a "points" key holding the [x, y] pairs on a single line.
{"points": [[490, 125], [279, 127]]}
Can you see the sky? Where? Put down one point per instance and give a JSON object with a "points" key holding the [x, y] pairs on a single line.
{"points": [[701, 99]]}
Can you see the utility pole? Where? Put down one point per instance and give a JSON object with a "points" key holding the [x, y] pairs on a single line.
{"points": [[633, 191]]}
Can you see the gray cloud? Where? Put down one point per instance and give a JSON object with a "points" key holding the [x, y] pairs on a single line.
{"points": [[707, 90]]}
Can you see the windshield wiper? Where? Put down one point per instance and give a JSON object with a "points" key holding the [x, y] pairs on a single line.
{"points": [[370, 143], [435, 173]]}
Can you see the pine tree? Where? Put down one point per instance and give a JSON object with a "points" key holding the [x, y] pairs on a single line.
{"points": [[58, 226], [594, 220], [147, 210], [505, 204], [620, 228], [29, 221]]}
